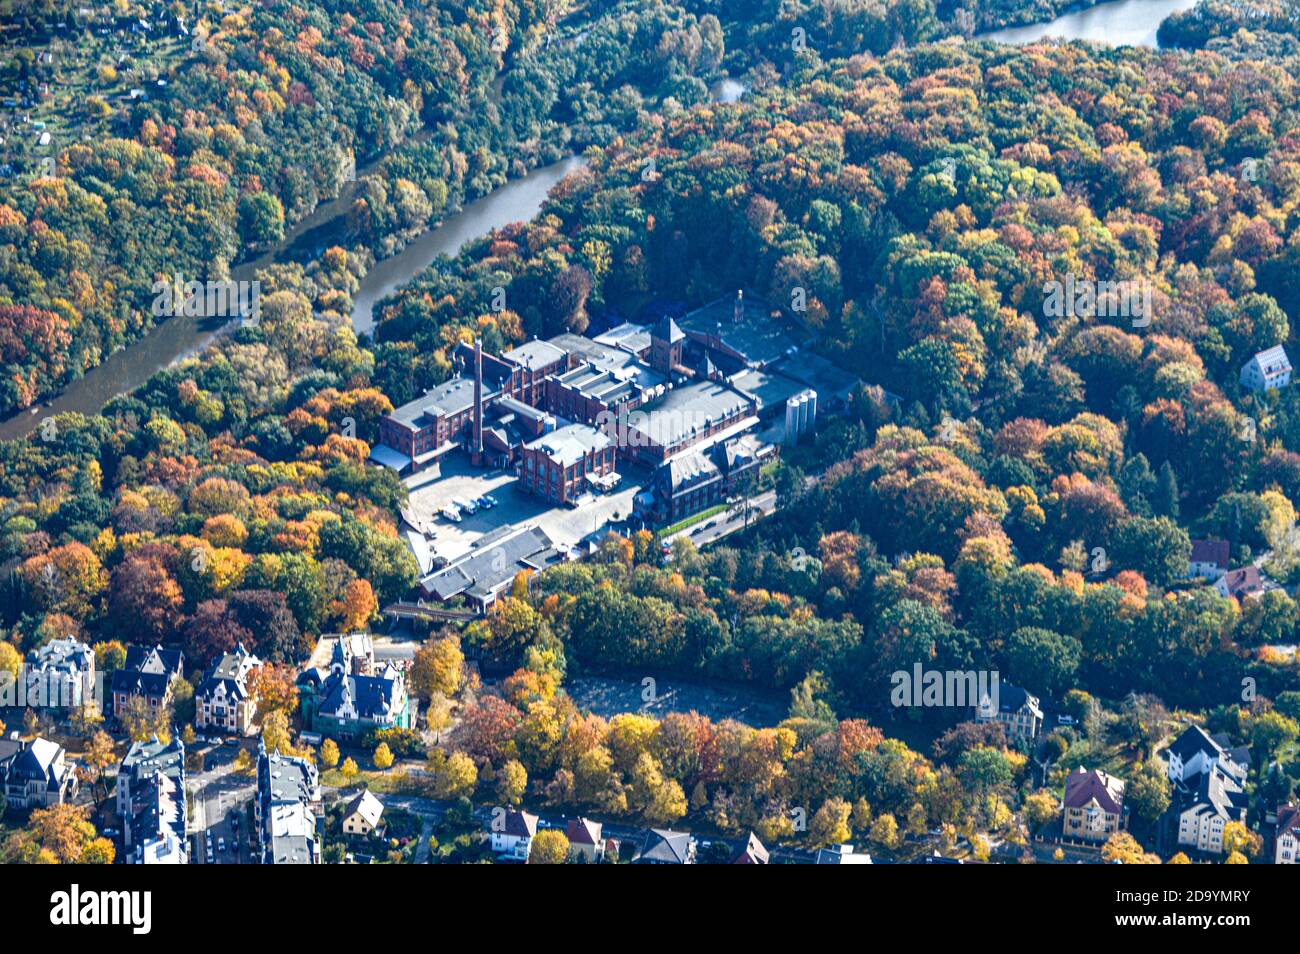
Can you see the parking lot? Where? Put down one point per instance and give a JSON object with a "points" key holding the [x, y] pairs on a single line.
{"points": [[566, 526]]}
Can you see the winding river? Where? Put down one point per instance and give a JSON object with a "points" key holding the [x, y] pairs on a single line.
{"points": [[1118, 22], [1131, 22]]}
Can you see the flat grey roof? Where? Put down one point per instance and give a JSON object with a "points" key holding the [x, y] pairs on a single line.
{"points": [[591, 350], [628, 337], [570, 444], [450, 397], [535, 354], [766, 388], [685, 410]]}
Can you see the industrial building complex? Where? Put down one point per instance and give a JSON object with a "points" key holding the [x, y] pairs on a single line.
{"points": [[691, 406]]}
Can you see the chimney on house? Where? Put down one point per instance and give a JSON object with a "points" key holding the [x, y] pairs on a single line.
{"points": [[478, 401], [738, 312]]}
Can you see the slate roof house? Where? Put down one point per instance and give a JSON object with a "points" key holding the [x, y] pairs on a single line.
{"points": [[151, 800], [223, 700], [352, 694], [35, 774], [1286, 846], [60, 675], [1017, 710], [1209, 788], [1094, 805], [147, 674], [512, 834], [664, 847]]}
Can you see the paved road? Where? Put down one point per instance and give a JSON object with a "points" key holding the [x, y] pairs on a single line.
{"points": [[214, 793], [728, 522]]}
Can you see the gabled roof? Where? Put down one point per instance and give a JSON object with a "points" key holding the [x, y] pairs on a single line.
{"points": [[1288, 820], [1272, 360], [583, 831], [520, 824], [148, 670], [1242, 582], [367, 806], [1214, 552], [1193, 740], [666, 847], [230, 671], [372, 697], [750, 852], [1082, 788]]}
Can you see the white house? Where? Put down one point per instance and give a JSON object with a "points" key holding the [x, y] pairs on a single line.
{"points": [[35, 774], [1209, 788], [512, 834], [1287, 850], [1267, 370], [1209, 559]]}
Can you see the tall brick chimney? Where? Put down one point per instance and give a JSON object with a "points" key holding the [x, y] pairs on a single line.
{"points": [[478, 401]]}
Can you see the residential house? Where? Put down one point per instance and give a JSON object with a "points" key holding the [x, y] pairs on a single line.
{"points": [[1017, 710], [223, 701], [285, 808], [1094, 805], [512, 834], [1267, 370], [585, 839], [1240, 584], [35, 774], [1286, 850], [147, 674], [664, 847], [750, 852], [1209, 559], [1209, 788], [1195, 751], [350, 694], [842, 855], [151, 801], [362, 814], [60, 675]]}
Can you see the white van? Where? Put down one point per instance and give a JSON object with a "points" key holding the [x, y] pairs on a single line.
{"points": [[465, 506], [451, 513]]}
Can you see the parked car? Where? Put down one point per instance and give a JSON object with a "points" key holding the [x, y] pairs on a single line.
{"points": [[465, 506], [485, 503], [221, 843], [451, 513], [491, 501]]}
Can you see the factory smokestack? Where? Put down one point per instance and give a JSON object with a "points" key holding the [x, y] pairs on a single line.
{"points": [[478, 401]]}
